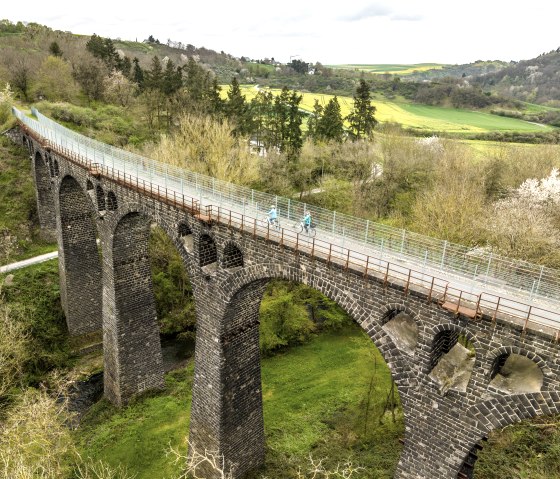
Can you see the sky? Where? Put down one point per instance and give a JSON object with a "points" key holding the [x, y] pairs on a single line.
{"points": [[331, 32]]}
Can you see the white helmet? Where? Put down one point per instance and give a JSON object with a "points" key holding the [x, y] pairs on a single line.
{"points": [[273, 207]]}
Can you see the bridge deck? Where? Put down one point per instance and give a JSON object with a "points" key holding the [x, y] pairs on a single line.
{"points": [[468, 295]]}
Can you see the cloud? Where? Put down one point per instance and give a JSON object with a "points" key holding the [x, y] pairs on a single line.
{"points": [[379, 10], [375, 10], [407, 17]]}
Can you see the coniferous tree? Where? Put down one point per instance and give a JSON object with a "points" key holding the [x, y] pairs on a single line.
{"points": [[215, 101], [104, 49], [362, 117], [262, 114], [153, 91], [280, 118], [293, 140], [55, 50], [95, 46], [236, 108], [154, 77], [195, 83], [138, 73], [314, 119], [172, 79], [126, 67], [331, 126]]}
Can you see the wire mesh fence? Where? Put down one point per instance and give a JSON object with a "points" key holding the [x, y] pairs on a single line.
{"points": [[478, 265]]}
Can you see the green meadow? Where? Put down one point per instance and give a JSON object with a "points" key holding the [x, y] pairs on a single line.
{"points": [[419, 117], [324, 398], [390, 68]]}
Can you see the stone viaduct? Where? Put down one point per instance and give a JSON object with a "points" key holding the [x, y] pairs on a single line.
{"points": [[509, 373]]}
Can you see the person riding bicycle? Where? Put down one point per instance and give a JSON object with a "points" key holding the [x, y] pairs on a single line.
{"points": [[273, 216], [307, 221]]}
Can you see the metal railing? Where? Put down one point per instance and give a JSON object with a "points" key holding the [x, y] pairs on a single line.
{"points": [[525, 279], [407, 279]]}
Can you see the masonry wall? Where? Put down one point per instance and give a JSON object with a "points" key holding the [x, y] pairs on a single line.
{"points": [[45, 196], [442, 426]]}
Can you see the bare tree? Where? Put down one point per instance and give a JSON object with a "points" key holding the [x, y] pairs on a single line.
{"points": [[14, 349], [197, 461]]}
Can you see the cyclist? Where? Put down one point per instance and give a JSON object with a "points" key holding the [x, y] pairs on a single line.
{"points": [[307, 221], [273, 216]]}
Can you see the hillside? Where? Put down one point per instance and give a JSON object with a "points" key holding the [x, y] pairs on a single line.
{"points": [[536, 80], [477, 68], [36, 40]]}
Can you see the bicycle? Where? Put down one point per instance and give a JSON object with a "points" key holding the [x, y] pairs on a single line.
{"points": [[311, 231], [266, 221]]}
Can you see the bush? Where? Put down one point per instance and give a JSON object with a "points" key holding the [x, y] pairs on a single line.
{"points": [[290, 313], [172, 290], [6, 102], [34, 300]]}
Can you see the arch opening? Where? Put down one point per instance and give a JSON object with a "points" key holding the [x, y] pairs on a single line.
{"points": [[79, 261], [186, 236], [452, 360], [516, 374], [316, 343], [232, 256], [402, 329], [112, 203], [156, 318], [56, 168], [45, 199], [100, 196]]}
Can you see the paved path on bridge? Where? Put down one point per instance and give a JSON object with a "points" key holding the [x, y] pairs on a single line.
{"points": [[183, 186]]}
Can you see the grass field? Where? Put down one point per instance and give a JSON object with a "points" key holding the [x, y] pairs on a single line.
{"points": [[313, 396], [420, 117], [394, 69]]}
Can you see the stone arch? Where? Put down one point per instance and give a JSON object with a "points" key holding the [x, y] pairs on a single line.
{"points": [[396, 361], [207, 252], [451, 363], [45, 200], [499, 412], [400, 323], [183, 229], [55, 166], [132, 347], [112, 203], [50, 164], [79, 262], [232, 256], [516, 371], [133, 358], [127, 207], [100, 196], [27, 142], [236, 346]]}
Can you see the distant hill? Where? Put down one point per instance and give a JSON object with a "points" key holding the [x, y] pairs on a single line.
{"points": [[467, 70], [535, 81], [223, 64], [34, 41], [400, 69]]}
